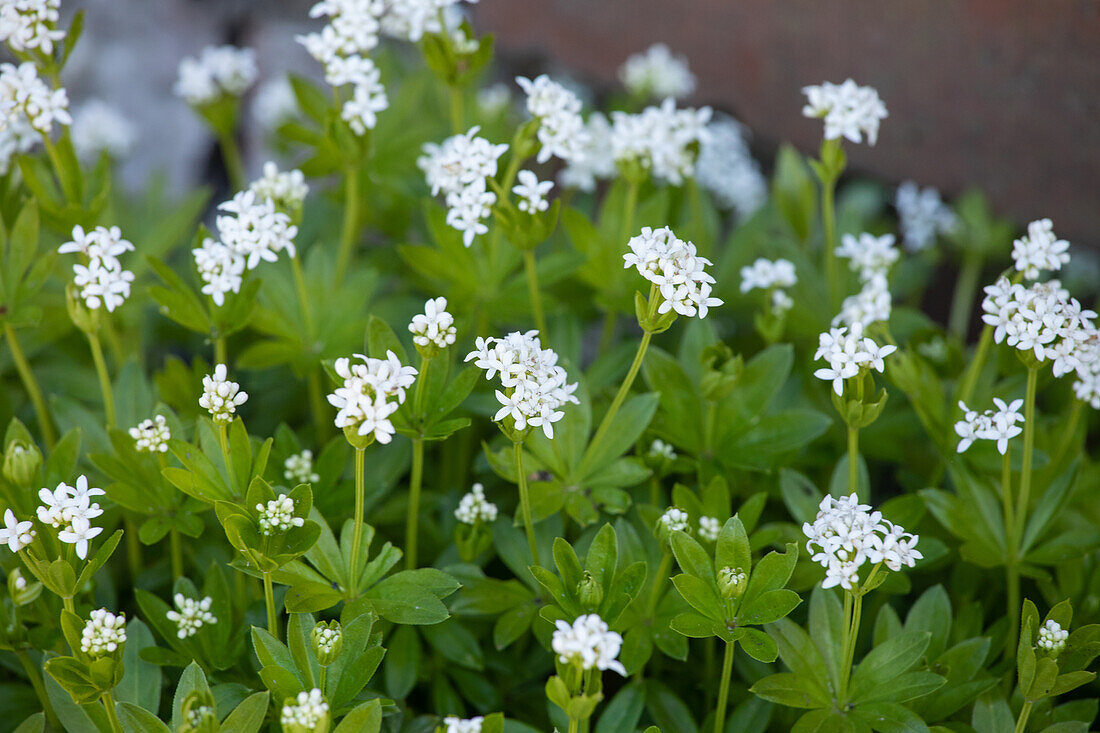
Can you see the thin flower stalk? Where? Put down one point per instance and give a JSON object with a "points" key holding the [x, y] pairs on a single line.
{"points": [[350, 230], [30, 383], [357, 526], [525, 502]]}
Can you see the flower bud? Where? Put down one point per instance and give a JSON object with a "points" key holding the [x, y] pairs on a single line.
{"points": [[1052, 638], [721, 371], [672, 520], [589, 592], [83, 317], [327, 639], [21, 462], [22, 593], [732, 582], [198, 714]]}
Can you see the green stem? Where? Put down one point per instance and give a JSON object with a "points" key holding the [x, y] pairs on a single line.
{"points": [[574, 725], [1021, 722], [176, 551], [112, 715], [221, 355], [303, 299], [981, 355], [317, 404], [853, 459], [357, 529], [607, 333], [525, 502], [620, 396], [231, 157], [133, 547], [35, 677], [71, 195], [322, 677], [351, 223], [456, 109], [533, 291], [34, 392], [269, 602], [658, 583], [853, 611], [1069, 433], [962, 302], [1029, 446], [412, 521], [67, 603], [104, 379], [724, 689], [828, 221]]}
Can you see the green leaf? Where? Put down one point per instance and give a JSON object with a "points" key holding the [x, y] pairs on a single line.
{"points": [[626, 427], [771, 573], [691, 556], [141, 680], [758, 645], [248, 717], [888, 660], [364, 718], [790, 690], [135, 719], [732, 549], [701, 596], [768, 607]]}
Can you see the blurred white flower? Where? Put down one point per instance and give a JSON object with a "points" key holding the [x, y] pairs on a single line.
{"points": [[657, 73], [849, 110], [100, 128], [532, 192], [216, 71], [922, 215]]}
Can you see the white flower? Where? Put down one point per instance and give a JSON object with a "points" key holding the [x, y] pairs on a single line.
{"points": [[435, 326], [218, 70], [845, 534], [254, 229], [287, 189], [673, 265], [850, 111], [30, 25], [999, 426], [475, 508], [101, 281], [79, 533], [468, 209], [307, 711], [1043, 319], [152, 436], [274, 103], [100, 128], [367, 100], [589, 643], [872, 304], [370, 394], [459, 161], [104, 633], [221, 269], [922, 215], [662, 139], [494, 100], [15, 138], [766, 274], [191, 615], [532, 192], [221, 397], [675, 520], [278, 515], [24, 94], [455, 724], [709, 527], [70, 509], [848, 352], [1040, 251], [659, 448], [1052, 637], [561, 130], [595, 159], [535, 385], [869, 255], [409, 20], [15, 534], [727, 169], [299, 468], [657, 73]]}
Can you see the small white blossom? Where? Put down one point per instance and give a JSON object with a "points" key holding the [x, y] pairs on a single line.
{"points": [[454, 724], [217, 71], [922, 215], [221, 397], [277, 515], [532, 192], [367, 100], [1000, 425], [307, 711], [104, 633], [589, 643], [254, 229], [70, 509], [100, 128], [23, 95], [191, 615], [299, 468], [849, 110], [848, 352], [1052, 637], [152, 436], [764, 274], [78, 533], [662, 449], [872, 304], [371, 392], [657, 73], [435, 326], [674, 266], [15, 534], [1040, 251], [30, 25], [1044, 320], [727, 169], [221, 269], [101, 281], [675, 520], [274, 103], [662, 139], [494, 100], [16, 137], [709, 527], [475, 508], [595, 160], [287, 189], [458, 168], [561, 130], [868, 255]]}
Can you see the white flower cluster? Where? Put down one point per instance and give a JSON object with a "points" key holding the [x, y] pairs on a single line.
{"points": [[673, 265], [15, 534], [1052, 637], [532, 192], [589, 642], [848, 352], [70, 509], [200, 715], [727, 169], [101, 281], [771, 276], [274, 103], [371, 392], [25, 97], [675, 520], [191, 615], [1044, 320], [16, 138], [454, 724], [660, 449], [596, 160], [351, 32], [458, 168], [846, 534], [217, 71], [30, 25], [286, 189], [657, 73], [435, 326], [494, 100], [152, 435], [872, 258], [849, 110], [662, 139], [221, 397], [307, 711], [475, 508], [104, 632], [535, 387], [1000, 425], [100, 128], [1040, 251], [299, 468], [709, 527], [325, 638], [561, 128], [278, 515], [922, 215], [1087, 385]]}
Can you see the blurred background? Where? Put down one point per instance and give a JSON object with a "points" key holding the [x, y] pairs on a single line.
{"points": [[1001, 95]]}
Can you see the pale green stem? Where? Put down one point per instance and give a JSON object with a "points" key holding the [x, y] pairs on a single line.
{"points": [[456, 106], [853, 459], [1029, 449], [351, 223], [234, 164], [533, 291], [112, 715], [962, 302], [34, 392], [981, 355], [658, 583], [1069, 433], [269, 602], [525, 502], [322, 677], [724, 689], [1012, 569], [35, 677], [828, 220], [412, 521], [620, 396], [104, 379], [71, 196], [357, 529], [221, 355], [1021, 722], [303, 298], [176, 550]]}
